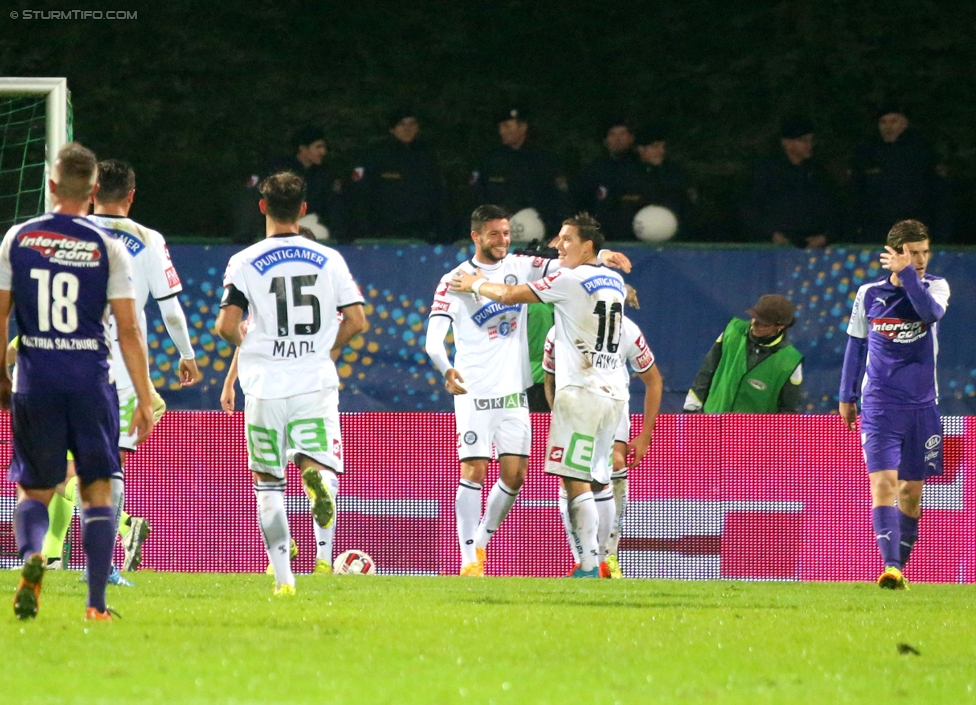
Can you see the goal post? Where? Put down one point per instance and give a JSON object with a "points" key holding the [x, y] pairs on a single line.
{"points": [[35, 122]]}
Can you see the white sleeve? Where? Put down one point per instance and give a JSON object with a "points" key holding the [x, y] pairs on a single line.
{"points": [[638, 354], [551, 288], [175, 321], [6, 273], [437, 328], [234, 275], [161, 275], [549, 352], [858, 325], [119, 270], [938, 289], [446, 303], [535, 268]]}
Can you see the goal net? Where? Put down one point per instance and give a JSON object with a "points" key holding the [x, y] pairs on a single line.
{"points": [[35, 121]]}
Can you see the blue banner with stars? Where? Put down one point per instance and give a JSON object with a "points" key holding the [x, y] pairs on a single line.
{"points": [[687, 297]]}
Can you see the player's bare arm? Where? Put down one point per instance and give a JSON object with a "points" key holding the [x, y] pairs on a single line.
{"points": [[133, 347], [228, 395], [228, 324], [6, 303], [616, 260], [653, 391], [549, 386], [462, 282], [353, 323]]}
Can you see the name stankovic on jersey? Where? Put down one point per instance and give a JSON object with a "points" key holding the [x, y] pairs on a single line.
{"points": [[281, 255]]}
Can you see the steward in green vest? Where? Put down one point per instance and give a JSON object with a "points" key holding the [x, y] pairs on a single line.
{"points": [[752, 368]]}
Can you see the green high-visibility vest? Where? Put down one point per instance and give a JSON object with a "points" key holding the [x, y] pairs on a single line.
{"points": [[738, 390]]}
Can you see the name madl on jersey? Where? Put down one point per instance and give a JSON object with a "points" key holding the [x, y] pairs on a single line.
{"points": [[292, 349]]}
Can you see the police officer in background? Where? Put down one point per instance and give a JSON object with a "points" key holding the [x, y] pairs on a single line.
{"points": [[517, 174], [894, 177], [397, 187], [662, 183], [608, 187]]}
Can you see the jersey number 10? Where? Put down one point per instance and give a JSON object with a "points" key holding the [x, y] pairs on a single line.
{"points": [[56, 301], [279, 289], [608, 332]]}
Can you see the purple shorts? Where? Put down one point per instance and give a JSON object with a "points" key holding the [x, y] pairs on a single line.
{"points": [[47, 425], [906, 440]]}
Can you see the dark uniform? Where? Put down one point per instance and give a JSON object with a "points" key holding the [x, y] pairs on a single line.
{"points": [[397, 190], [522, 178], [794, 199], [894, 181]]}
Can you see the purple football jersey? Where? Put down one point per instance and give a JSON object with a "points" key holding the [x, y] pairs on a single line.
{"points": [[62, 271], [900, 325]]}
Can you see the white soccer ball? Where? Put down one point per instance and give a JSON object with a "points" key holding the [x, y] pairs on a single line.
{"points": [[311, 221], [527, 226], [353, 562], [655, 224]]}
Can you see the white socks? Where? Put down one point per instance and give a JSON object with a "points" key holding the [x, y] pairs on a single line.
{"points": [[467, 507], [574, 544], [584, 518], [325, 537], [621, 491], [501, 499], [274, 528], [605, 514]]}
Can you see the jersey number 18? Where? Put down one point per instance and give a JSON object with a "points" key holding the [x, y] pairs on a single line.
{"points": [[56, 301]]}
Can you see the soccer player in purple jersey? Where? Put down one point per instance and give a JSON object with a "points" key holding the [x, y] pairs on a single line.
{"points": [[60, 274], [890, 364]]}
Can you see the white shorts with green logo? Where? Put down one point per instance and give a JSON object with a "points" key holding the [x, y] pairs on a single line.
{"points": [[499, 421], [279, 429], [581, 434], [621, 435]]}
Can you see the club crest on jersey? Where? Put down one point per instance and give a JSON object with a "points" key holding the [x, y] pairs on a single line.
{"points": [[489, 311], [63, 249], [511, 279], [898, 331], [603, 281], [502, 329], [133, 244], [282, 255]]}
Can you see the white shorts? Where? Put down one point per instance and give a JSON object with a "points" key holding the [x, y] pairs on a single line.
{"points": [[279, 429], [499, 421], [621, 435], [581, 434]]}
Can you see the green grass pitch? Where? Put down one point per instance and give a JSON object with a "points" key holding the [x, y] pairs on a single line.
{"points": [[220, 638]]}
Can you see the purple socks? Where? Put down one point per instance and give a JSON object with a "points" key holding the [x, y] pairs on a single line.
{"points": [[888, 535], [909, 535], [30, 526], [98, 537]]}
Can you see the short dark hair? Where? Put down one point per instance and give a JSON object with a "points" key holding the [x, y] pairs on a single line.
{"points": [[907, 231], [482, 214], [305, 136], [74, 172], [115, 180], [588, 228], [284, 194]]}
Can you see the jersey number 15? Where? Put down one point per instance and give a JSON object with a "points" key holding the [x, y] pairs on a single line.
{"points": [[298, 299]]}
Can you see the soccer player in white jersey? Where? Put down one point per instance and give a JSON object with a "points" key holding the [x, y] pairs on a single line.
{"points": [[153, 274], [291, 288], [611, 501], [488, 379], [590, 395]]}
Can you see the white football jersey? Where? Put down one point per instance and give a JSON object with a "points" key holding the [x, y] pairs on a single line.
{"points": [[152, 273], [633, 349], [490, 338], [589, 303], [293, 287]]}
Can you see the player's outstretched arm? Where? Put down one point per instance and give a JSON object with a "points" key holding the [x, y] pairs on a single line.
{"points": [[175, 321], [353, 323], [653, 391], [6, 303], [228, 395], [503, 293], [228, 324], [133, 348]]}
